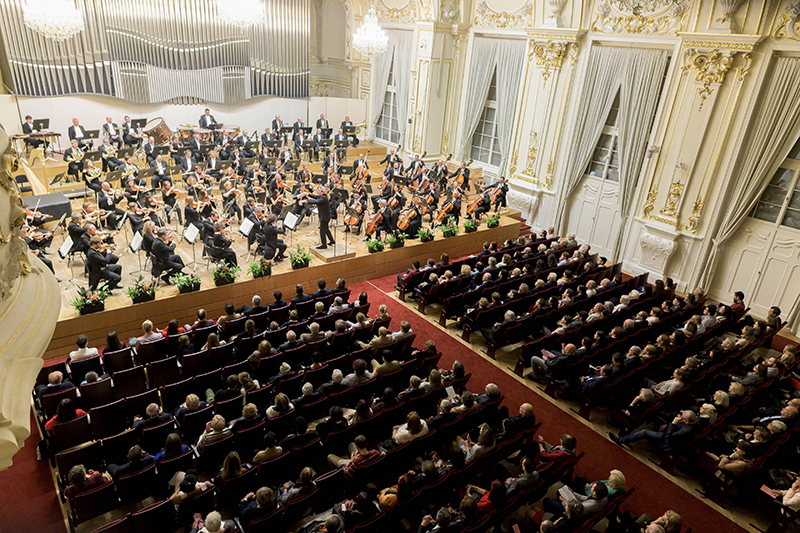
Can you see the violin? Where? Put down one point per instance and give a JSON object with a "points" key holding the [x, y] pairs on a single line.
{"points": [[39, 235], [376, 221], [32, 213]]}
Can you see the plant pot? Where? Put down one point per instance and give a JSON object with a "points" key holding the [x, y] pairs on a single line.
{"points": [[374, 250], [448, 234], [189, 288], [221, 282], [93, 308], [492, 224], [144, 297], [426, 239], [298, 266], [397, 244], [470, 229], [262, 274]]}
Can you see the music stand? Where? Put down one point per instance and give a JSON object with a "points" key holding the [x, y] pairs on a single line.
{"points": [[173, 170], [326, 132], [349, 130], [190, 234], [125, 153], [247, 162], [270, 161], [307, 129], [245, 228], [139, 123], [41, 124], [134, 246], [273, 145], [251, 145], [114, 175], [94, 157], [162, 151], [202, 165], [92, 134], [286, 130], [205, 148], [307, 148], [292, 164], [318, 179]]}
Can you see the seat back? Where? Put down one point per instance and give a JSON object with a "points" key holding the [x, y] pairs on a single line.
{"points": [[276, 470], [200, 335], [90, 456], [137, 404], [93, 503], [200, 503], [116, 447], [69, 434], [164, 372], [281, 425], [292, 386], [248, 440], [138, 485], [108, 420], [195, 422], [194, 363], [118, 360], [213, 453], [234, 327], [248, 345], [79, 369], [129, 382], [234, 489], [314, 410], [299, 507], [220, 356], [230, 409], [147, 352], [305, 309], [50, 401], [159, 516], [96, 394], [180, 463], [268, 523], [154, 437], [123, 525], [174, 394]]}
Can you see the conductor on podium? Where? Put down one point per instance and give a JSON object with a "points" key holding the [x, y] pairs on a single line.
{"points": [[323, 204]]}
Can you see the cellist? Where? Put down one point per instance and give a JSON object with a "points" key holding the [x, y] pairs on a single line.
{"points": [[358, 204], [361, 168], [384, 193], [462, 174]]}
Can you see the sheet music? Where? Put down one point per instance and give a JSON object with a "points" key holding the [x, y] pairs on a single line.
{"points": [[290, 222], [191, 233], [246, 226], [65, 247], [136, 243]]}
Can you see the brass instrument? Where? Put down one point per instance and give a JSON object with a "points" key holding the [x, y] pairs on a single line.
{"points": [[75, 156], [93, 172], [110, 151]]}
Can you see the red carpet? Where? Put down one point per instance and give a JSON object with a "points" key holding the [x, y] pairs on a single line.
{"points": [[31, 503], [654, 494]]}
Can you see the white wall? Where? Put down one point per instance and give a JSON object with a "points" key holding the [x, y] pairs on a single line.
{"points": [[335, 109]]}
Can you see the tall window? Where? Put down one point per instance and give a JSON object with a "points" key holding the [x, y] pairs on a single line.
{"points": [[485, 144], [388, 126], [605, 158], [780, 202]]}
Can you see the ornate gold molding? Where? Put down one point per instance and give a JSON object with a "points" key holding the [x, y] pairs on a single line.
{"points": [[711, 68], [673, 199], [486, 17], [445, 141], [644, 17], [650, 202], [409, 13], [788, 24], [529, 165], [694, 217], [548, 178], [526, 179], [320, 89], [513, 166], [549, 57]]}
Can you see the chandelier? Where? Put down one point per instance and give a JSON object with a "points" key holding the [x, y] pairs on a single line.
{"points": [[55, 19], [241, 13], [370, 39]]}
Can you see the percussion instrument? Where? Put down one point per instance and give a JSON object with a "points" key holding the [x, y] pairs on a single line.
{"points": [[158, 130], [185, 133], [233, 129], [206, 136]]}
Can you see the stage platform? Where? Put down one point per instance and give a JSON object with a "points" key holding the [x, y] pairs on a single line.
{"points": [[126, 318]]}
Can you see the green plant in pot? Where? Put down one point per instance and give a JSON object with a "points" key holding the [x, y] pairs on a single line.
{"points": [[493, 221], [186, 282], [89, 301], [471, 226], [449, 229], [299, 258], [374, 245], [141, 290], [260, 268], [225, 273], [425, 235], [396, 240]]}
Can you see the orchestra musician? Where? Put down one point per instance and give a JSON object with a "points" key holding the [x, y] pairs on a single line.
{"points": [[77, 133], [249, 208], [388, 223], [194, 146], [318, 140], [341, 153], [264, 156], [169, 195], [415, 223], [27, 129], [229, 200], [208, 204], [397, 201], [277, 199], [236, 157], [34, 239], [357, 203], [322, 201], [212, 164], [131, 135], [300, 209], [112, 132], [74, 158], [207, 120], [322, 122], [384, 193], [190, 214], [455, 199], [431, 196], [414, 165], [391, 158], [105, 238], [163, 249], [136, 217], [35, 219], [358, 164], [101, 267], [345, 123], [221, 244], [91, 175], [327, 162], [148, 236], [501, 194], [159, 175], [176, 149], [107, 200], [241, 142], [277, 124], [148, 149], [394, 171], [485, 205], [223, 141], [188, 162], [285, 155], [440, 172], [267, 137], [254, 182], [273, 247], [297, 127], [76, 229], [299, 139], [304, 176], [109, 153], [462, 171], [131, 170]]}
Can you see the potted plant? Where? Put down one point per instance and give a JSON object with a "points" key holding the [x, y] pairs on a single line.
{"points": [[396, 240], [225, 273], [89, 301], [493, 221], [374, 245], [186, 282], [449, 229], [300, 258], [261, 268], [141, 290], [425, 235], [471, 226]]}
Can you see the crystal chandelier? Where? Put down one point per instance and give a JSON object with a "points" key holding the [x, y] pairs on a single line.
{"points": [[241, 13], [55, 19], [370, 39]]}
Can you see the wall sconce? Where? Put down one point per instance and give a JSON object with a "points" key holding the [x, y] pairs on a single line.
{"points": [[651, 151]]}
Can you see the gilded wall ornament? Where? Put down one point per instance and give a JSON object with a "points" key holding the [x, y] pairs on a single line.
{"points": [[711, 68], [513, 166], [549, 56], [650, 203], [674, 195], [529, 165], [409, 13], [548, 177], [449, 11], [321, 88], [445, 141], [788, 24], [418, 144], [489, 18], [647, 17], [694, 218]]}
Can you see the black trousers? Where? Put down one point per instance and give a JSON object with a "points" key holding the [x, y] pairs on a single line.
{"points": [[270, 252], [324, 232], [112, 274]]}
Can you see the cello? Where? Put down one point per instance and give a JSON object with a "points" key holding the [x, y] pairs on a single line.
{"points": [[353, 220], [459, 179], [475, 204], [363, 172], [373, 224]]}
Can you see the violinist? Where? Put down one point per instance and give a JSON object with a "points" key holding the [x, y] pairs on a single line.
{"points": [[109, 154], [35, 240], [160, 175], [163, 249], [107, 200], [221, 242], [318, 139], [361, 168], [256, 216], [358, 204], [272, 245], [254, 181], [106, 238], [190, 214], [300, 209], [169, 195], [249, 207], [277, 200], [229, 200], [462, 171], [390, 159], [192, 187], [136, 217], [76, 229], [148, 236], [152, 206], [385, 192], [304, 176], [101, 266], [203, 179], [35, 218], [93, 215], [207, 204]]}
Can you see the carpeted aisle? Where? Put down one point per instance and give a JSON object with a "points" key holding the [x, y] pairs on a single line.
{"points": [[654, 493], [28, 493]]}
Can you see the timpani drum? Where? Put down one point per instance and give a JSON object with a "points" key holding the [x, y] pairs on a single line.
{"points": [[185, 133], [233, 129], [158, 130], [206, 136]]}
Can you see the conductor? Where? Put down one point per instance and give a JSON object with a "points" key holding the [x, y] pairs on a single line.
{"points": [[323, 204], [272, 243]]}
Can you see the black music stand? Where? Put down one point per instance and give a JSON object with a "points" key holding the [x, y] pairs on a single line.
{"points": [[94, 157], [223, 166], [251, 145], [114, 176], [308, 130], [274, 145], [308, 148], [205, 148], [349, 130], [270, 161], [285, 131], [292, 164], [162, 151], [326, 132], [318, 179], [41, 124], [139, 123], [125, 153], [147, 173], [247, 162]]}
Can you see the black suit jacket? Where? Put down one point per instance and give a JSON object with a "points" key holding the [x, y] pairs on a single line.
{"points": [[324, 207], [322, 123], [271, 235], [205, 122], [162, 250], [27, 128], [116, 129], [276, 126], [72, 132]]}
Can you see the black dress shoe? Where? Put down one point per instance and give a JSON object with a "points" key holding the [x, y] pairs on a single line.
{"points": [[531, 378], [332, 242], [614, 438], [320, 247]]}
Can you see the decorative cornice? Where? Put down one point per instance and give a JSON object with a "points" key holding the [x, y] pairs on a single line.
{"points": [[644, 17], [564, 35], [711, 68], [486, 17], [549, 57], [409, 13], [715, 41]]}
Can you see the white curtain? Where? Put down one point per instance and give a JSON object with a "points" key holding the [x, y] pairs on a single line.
{"points": [[641, 86], [773, 130], [510, 64], [481, 68], [403, 60], [379, 81], [602, 79]]}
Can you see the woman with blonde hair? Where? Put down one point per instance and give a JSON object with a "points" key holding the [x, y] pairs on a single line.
{"points": [[434, 381], [282, 405], [212, 341], [708, 415], [615, 484], [383, 312], [361, 322]]}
